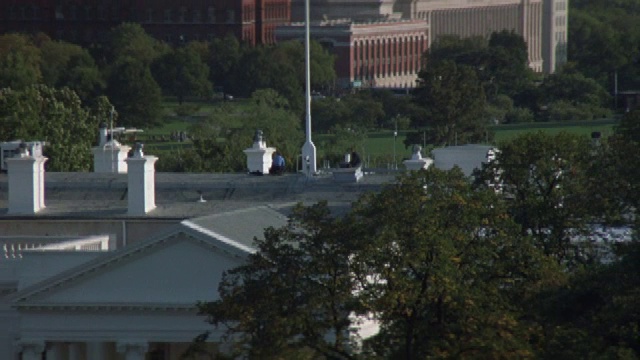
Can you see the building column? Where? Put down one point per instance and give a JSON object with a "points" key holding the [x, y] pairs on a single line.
{"points": [[133, 350], [31, 349]]}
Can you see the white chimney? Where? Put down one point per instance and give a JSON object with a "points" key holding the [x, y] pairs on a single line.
{"points": [[26, 182], [417, 162], [142, 182], [259, 156], [109, 156]]}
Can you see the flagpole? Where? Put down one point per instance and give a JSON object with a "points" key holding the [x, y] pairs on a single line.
{"points": [[308, 149]]}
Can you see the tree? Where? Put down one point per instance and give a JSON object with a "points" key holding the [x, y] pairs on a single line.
{"points": [[545, 177], [506, 68], [225, 55], [501, 64], [620, 164], [574, 89], [70, 65], [596, 314], [281, 67], [135, 94], [19, 62], [130, 41], [443, 268], [294, 293], [55, 116], [454, 104], [181, 73]]}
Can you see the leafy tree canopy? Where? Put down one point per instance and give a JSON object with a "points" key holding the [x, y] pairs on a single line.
{"points": [[454, 104], [20, 62], [135, 94], [181, 72], [546, 178], [130, 41], [55, 116], [70, 65]]}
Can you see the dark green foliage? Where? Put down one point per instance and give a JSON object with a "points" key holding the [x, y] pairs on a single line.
{"points": [[130, 41], [547, 179], [55, 116], [440, 267], [135, 94], [597, 315], [281, 67], [19, 62], [293, 292], [454, 104], [181, 72], [70, 65]]}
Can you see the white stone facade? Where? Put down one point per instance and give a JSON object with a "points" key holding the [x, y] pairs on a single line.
{"points": [[542, 23]]}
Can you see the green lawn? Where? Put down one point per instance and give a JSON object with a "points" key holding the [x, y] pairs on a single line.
{"points": [[507, 132]]}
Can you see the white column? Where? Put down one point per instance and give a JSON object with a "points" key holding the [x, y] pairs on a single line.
{"points": [[133, 350], [96, 351], [32, 350]]}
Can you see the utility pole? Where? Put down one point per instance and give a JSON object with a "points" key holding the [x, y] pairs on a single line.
{"points": [[395, 136]]}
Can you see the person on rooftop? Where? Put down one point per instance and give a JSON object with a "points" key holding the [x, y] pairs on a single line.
{"points": [[278, 164]]}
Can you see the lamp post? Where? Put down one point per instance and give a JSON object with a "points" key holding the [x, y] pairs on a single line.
{"points": [[395, 136]]}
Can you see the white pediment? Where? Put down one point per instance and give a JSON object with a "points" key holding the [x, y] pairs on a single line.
{"points": [[178, 270]]}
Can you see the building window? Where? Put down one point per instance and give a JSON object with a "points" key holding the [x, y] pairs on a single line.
{"points": [[231, 16], [211, 14], [167, 16], [149, 15], [183, 14], [197, 16], [88, 14]]}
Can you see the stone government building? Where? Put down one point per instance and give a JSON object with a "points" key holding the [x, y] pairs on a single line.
{"points": [[542, 23]]}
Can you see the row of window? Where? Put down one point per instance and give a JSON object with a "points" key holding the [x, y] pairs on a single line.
{"points": [[561, 6], [183, 15], [561, 21]]}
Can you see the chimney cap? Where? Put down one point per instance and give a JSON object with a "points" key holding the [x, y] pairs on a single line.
{"points": [[23, 150], [137, 150]]}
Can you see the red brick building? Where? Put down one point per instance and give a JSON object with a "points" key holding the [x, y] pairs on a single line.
{"points": [[382, 54], [87, 21]]}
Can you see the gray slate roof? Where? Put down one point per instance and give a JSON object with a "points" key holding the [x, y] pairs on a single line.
{"points": [[95, 195]]}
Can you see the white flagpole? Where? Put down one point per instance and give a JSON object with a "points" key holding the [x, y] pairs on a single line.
{"points": [[308, 149]]}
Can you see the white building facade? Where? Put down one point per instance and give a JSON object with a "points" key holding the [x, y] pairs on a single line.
{"points": [[542, 23]]}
